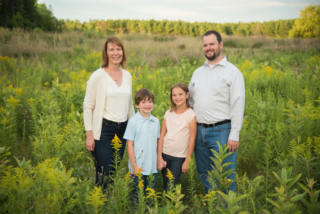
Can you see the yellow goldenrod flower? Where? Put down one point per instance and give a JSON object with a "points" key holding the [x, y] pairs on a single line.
{"points": [[46, 83], [116, 143], [139, 172], [18, 91], [10, 86], [12, 101], [169, 175], [2, 110], [151, 193], [140, 185], [4, 121], [54, 73], [65, 70], [127, 177]]}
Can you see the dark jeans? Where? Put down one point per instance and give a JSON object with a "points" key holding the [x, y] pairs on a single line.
{"points": [[146, 184], [207, 139], [103, 152], [174, 164]]}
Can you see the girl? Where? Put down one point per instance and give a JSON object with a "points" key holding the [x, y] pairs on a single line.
{"points": [[177, 135]]}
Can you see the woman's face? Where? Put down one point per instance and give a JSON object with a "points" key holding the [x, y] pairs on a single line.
{"points": [[114, 53]]}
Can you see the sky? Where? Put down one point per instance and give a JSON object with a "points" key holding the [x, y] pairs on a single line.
{"points": [[217, 11]]}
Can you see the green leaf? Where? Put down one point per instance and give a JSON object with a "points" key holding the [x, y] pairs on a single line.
{"points": [[297, 197], [279, 179], [294, 180]]}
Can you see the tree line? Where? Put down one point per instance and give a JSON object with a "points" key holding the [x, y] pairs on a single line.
{"points": [[28, 14]]}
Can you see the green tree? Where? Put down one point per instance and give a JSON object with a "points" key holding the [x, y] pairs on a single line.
{"points": [[308, 25]]}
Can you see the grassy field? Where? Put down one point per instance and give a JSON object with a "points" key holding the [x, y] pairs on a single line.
{"points": [[48, 170]]}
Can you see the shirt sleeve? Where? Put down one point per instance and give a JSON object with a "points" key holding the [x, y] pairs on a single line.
{"points": [[130, 133], [90, 101], [190, 92], [237, 101], [191, 115], [158, 133]]}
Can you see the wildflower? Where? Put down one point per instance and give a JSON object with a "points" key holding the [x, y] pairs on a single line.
{"points": [[101, 167], [81, 173], [151, 193], [169, 175], [10, 86], [18, 91], [15, 154], [140, 185], [122, 169], [90, 178], [89, 169], [65, 70], [127, 177], [12, 101], [116, 143], [80, 167], [139, 172], [18, 157], [46, 83], [2, 110]]}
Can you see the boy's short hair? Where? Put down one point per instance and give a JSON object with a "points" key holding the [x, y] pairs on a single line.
{"points": [[143, 94]]}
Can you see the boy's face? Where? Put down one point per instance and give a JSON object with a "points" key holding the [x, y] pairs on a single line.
{"points": [[145, 106]]}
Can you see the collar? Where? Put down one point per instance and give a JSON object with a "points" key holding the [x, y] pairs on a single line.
{"points": [[152, 118], [222, 62]]}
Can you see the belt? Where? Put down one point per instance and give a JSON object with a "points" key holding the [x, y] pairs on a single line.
{"points": [[214, 124], [109, 121]]}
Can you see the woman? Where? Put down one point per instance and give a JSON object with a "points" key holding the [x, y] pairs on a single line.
{"points": [[107, 107]]}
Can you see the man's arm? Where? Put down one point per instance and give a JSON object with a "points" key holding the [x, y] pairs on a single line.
{"points": [[237, 101]]}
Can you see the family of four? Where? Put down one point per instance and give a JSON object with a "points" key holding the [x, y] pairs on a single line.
{"points": [[210, 110]]}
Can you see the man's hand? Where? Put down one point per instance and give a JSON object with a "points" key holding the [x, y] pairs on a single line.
{"points": [[233, 145]]}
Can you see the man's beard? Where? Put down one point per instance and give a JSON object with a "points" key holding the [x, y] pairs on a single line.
{"points": [[214, 55]]}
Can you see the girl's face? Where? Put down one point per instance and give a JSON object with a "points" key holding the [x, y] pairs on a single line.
{"points": [[179, 96], [115, 53]]}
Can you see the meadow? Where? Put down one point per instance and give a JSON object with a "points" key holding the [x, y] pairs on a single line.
{"points": [[45, 167]]}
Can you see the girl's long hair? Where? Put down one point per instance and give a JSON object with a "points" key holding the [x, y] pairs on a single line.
{"points": [[183, 87]]}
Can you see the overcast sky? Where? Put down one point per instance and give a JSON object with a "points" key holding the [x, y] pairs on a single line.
{"points": [[186, 10]]}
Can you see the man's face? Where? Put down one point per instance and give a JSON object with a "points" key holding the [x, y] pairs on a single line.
{"points": [[211, 47]]}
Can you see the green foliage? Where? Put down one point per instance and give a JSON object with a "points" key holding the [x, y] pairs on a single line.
{"points": [[308, 25]]}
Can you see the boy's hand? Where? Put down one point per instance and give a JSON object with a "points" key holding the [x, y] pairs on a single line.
{"points": [[135, 169], [161, 164], [185, 167]]}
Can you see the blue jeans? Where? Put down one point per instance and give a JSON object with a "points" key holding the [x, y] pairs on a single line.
{"points": [[103, 153], [145, 179], [174, 164], [206, 140]]}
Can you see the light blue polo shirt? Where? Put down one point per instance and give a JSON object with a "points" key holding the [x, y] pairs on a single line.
{"points": [[144, 133]]}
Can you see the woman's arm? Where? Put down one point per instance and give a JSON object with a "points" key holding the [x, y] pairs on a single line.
{"points": [[161, 163], [192, 143], [88, 106]]}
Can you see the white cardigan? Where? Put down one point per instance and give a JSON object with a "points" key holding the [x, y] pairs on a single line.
{"points": [[95, 99]]}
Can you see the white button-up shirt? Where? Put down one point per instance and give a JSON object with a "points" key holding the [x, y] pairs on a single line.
{"points": [[217, 93]]}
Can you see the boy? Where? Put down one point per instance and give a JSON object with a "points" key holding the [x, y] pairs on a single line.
{"points": [[142, 134]]}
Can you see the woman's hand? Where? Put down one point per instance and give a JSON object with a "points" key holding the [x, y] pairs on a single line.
{"points": [[90, 141], [185, 166], [161, 164]]}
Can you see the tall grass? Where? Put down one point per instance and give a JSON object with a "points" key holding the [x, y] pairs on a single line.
{"points": [[41, 120]]}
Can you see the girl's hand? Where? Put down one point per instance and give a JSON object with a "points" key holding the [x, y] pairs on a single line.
{"points": [[161, 164], [185, 167]]}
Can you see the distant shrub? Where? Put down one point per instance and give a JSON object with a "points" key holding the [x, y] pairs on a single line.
{"points": [[163, 39], [182, 47], [257, 45]]}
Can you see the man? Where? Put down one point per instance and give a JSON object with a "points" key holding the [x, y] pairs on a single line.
{"points": [[217, 95]]}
